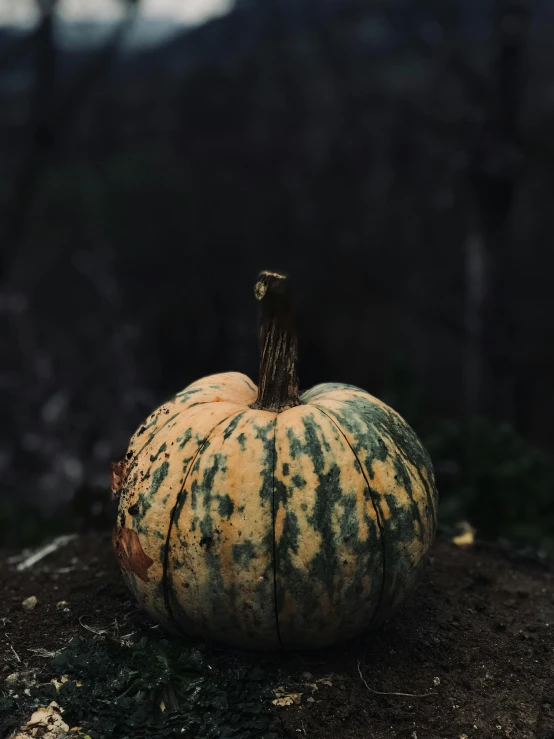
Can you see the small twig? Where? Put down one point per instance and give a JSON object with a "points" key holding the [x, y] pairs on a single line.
{"points": [[41, 652], [93, 631], [18, 658], [303, 728], [45, 653], [122, 641], [378, 692], [53, 546]]}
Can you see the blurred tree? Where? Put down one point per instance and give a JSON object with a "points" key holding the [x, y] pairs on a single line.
{"points": [[53, 112], [496, 168]]}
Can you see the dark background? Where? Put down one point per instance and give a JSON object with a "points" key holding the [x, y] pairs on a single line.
{"points": [[395, 157]]}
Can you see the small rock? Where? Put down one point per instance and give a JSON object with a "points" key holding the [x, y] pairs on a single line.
{"points": [[12, 679], [30, 603], [62, 605], [436, 681], [310, 699]]}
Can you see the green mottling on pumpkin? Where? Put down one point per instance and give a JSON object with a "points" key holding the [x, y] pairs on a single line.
{"points": [[184, 439], [232, 592], [194, 494], [232, 426], [243, 553], [158, 477], [217, 467], [217, 584], [402, 524], [160, 450], [295, 445], [404, 478], [241, 438], [184, 395], [286, 469], [144, 504], [298, 481], [155, 432], [349, 524], [226, 506], [267, 436]]}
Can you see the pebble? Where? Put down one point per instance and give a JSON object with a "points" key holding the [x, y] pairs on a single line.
{"points": [[62, 605], [29, 603]]}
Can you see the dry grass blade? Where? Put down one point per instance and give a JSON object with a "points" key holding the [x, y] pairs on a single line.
{"points": [[379, 692]]}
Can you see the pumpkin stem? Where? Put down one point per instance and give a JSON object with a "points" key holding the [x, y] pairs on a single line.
{"points": [[278, 381]]}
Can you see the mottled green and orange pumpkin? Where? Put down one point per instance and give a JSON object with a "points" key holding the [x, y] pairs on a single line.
{"points": [[264, 519]]}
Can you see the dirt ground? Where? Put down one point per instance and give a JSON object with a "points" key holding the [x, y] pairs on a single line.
{"points": [[470, 656]]}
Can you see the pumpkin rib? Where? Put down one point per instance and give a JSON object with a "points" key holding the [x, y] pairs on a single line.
{"points": [[172, 519], [273, 523], [133, 461], [375, 508]]}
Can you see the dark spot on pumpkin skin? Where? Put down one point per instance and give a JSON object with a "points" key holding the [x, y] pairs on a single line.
{"points": [[153, 434], [134, 509], [154, 457], [241, 438], [286, 469], [206, 542]]}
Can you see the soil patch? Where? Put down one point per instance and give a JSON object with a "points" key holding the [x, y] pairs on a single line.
{"points": [[470, 656]]}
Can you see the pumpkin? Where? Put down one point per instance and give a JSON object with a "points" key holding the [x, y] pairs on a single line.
{"points": [[259, 518]]}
